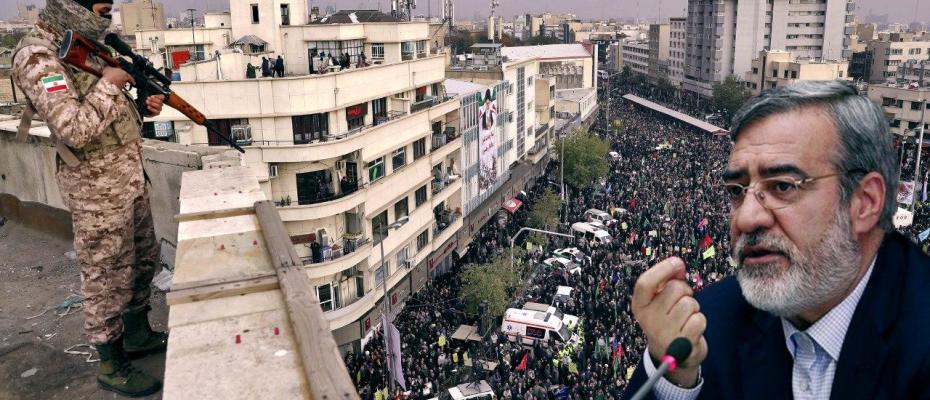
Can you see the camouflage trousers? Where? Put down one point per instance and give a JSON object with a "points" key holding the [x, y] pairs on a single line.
{"points": [[118, 253]]}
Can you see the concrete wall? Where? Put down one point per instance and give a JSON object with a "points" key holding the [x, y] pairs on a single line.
{"points": [[29, 193]]}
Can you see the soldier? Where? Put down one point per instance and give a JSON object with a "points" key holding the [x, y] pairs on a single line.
{"points": [[96, 129]]}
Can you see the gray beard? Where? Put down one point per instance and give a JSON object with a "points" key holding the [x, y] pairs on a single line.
{"points": [[813, 277]]}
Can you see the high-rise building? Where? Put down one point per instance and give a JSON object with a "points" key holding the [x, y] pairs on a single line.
{"points": [[676, 50], [725, 35], [892, 50], [774, 68], [635, 55], [658, 51]]}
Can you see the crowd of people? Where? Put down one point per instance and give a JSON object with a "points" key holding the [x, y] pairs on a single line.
{"points": [[663, 191]]}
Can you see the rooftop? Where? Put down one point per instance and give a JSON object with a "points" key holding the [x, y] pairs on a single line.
{"points": [[457, 87], [546, 52], [574, 94], [355, 17]]}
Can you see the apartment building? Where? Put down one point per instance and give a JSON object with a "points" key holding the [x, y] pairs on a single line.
{"points": [[887, 53], [172, 47], [636, 56], [914, 72], [904, 106], [780, 68], [572, 65], [676, 50], [723, 36], [659, 41], [345, 154]]}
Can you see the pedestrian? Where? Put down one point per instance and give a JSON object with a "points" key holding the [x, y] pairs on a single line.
{"points": [[99, 174], [250, 71], [266, 67], [279, 67]]}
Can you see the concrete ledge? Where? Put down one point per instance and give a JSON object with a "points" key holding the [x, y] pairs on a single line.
{"points": [[37, 216]]}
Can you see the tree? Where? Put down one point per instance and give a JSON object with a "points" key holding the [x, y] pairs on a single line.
{"points": [[729, 96], [492, 282], [627, 72], [585, 158], [461, 41], [665, 86], [544, 215]]}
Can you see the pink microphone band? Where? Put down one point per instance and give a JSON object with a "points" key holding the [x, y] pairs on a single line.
{"points": [[671, 362]]}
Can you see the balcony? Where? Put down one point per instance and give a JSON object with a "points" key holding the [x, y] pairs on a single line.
{"points": [[322, 207], [444, 230], [442, 190], [349, 254], [442, 138], [445, 218]]}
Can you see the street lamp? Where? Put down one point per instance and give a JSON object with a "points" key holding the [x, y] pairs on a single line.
{"points": [[524, 229], [385, 303], [920, 143]]}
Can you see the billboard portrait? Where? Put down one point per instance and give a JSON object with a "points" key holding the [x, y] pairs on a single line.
{"points": [[487, 140]]}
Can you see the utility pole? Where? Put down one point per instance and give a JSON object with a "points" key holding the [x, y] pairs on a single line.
{"points": [[920, 145], [193, 41]]}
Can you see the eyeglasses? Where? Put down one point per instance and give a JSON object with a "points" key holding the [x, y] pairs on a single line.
{"points": [[776, 192]]}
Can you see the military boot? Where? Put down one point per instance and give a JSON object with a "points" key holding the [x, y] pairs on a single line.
{"points": [[138, 336], [117, 374]]}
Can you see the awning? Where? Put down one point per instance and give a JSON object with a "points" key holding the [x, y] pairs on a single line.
{"points": [[512, 204], [466, 332], [247, 40]]}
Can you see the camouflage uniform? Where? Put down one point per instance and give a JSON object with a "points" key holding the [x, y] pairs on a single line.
{"points": [[113, 232]]}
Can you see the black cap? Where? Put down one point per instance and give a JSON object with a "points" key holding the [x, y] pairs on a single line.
{"points": [[89, 4]]}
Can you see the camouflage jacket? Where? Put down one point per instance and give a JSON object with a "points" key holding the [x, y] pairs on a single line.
{"points": [[93, 117]]}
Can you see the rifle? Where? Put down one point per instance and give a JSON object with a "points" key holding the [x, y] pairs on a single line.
{"points": [[75, 48]]}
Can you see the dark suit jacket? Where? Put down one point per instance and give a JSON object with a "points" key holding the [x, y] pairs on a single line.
{"points": [[886, 353]]}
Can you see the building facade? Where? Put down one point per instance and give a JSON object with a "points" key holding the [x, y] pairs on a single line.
{"points": [[140, 14], [890, 52], [780, 68], [344, 154], [723, 36], [904, 106], [636, 56], [658, 51], [676, 50]]}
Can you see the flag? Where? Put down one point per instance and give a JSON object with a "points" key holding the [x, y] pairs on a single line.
{"points": [[707, 241], [703, 223], [442, 341], [623, 225], [629, 372], [710, 252], [573, 368], [732, 262], [392, 339], [522, 366], [648, 251]]}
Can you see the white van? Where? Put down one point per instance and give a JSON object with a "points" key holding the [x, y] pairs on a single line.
{"points": [[480, 390], [535, 326], [563, 263], [571, 253], [591, 233], [599, 216], [563, 294], [567, 319]]}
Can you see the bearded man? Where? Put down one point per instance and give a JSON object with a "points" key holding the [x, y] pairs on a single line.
{"points": [[829, 302], [97, 132]]}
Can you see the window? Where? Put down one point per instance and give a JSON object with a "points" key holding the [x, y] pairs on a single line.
{"points": [[422, 240], [421, 48], [162, 130], [325, 294], [379, 110], [376, 169], [355, 115], [400, 209], [420, 195], [915, 105], [402, 257], [537, 333], [419, 148], [309, 128], [254, 13], [199, 52], [377, 51], [377, 222], [399, 158], [406, 51], [224, 126], [285, 14], [380, 273], [337, 48]]}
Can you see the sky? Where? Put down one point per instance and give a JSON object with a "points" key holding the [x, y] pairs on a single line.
{"points": [[897, 10]]}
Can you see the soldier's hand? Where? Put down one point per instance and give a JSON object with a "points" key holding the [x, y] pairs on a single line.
{"points": [[664, 307], [154, 103], [117, 77]]}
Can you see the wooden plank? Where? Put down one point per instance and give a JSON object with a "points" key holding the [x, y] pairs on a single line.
{"points": [[217, 291], [322, 364], [213, 214], [227, 307]]}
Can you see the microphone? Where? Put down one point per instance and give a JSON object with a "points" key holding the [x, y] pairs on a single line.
{"points": [[678, 351]]}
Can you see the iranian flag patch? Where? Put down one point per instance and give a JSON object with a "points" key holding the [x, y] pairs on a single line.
{"points": [[54, 83]]}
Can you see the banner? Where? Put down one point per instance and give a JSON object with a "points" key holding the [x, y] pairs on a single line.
{"points": [[392, 339], [487, 140], [923, 235], [707, 241], [905, 192], [710, 252]]}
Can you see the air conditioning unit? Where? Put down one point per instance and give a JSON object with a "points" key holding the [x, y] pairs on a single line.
{"points": [[408, 264], [272, 170]]}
